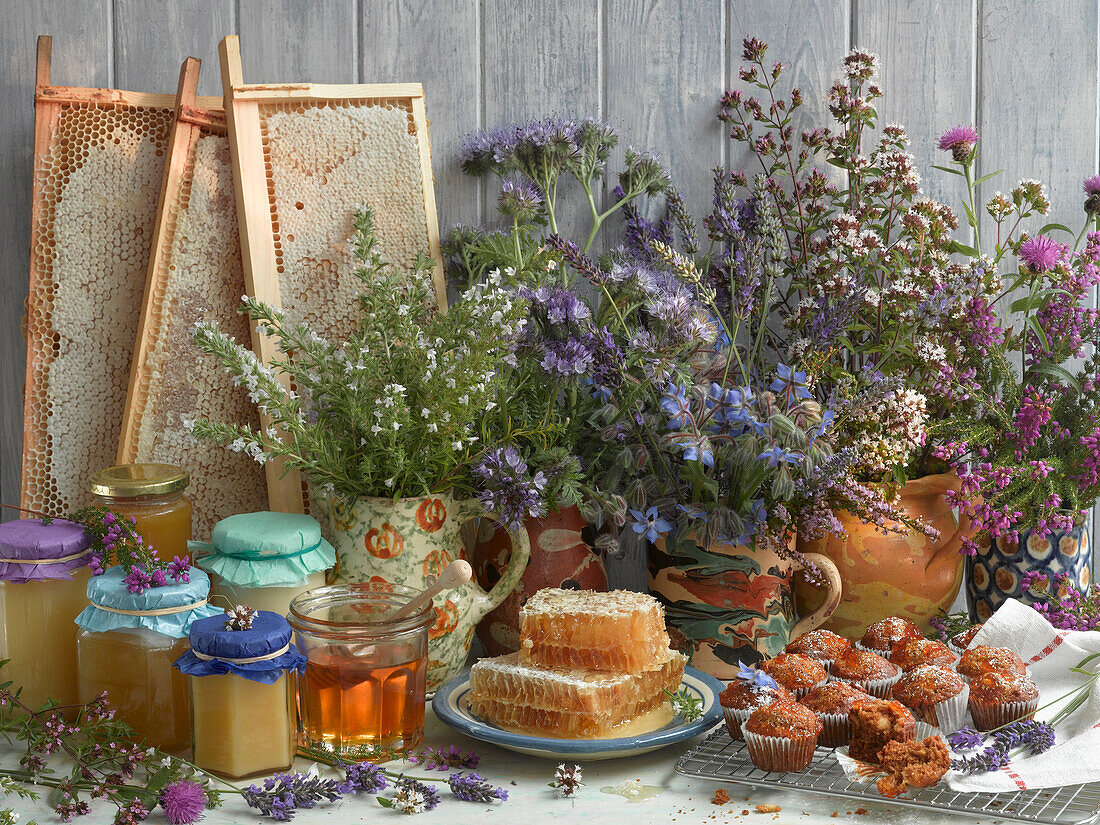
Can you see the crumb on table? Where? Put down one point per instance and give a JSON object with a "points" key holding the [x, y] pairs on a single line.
{"points": [[767, 808], [721, 797], [861, 812]]}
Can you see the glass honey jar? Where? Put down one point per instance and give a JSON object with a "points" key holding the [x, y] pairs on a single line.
{"points": [[264, 559], [153, 496], [242, 670], [43, 579], [127, 646], [363, 692]]}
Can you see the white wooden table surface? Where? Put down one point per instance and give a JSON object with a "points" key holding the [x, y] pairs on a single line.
{"points": [[531, 802]]}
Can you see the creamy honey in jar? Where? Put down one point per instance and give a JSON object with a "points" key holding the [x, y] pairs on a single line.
{"points": [[127, 646], [264, 559], [43, 579], [242, 679], [153, 496]]}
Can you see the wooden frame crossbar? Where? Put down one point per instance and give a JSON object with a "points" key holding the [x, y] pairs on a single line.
{"points": [[255, 188]]}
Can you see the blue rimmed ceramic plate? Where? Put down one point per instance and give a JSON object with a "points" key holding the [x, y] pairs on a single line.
{"points": [[451, 704]]}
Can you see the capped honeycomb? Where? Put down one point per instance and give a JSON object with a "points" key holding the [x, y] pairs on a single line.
{"points": [[200, 277], [620, 631], [323, 160], [567, 704], [95, 201]]}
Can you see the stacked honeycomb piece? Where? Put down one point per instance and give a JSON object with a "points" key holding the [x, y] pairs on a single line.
{"points": [[588, 663]]}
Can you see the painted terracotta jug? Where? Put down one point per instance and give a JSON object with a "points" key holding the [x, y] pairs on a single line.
{"points": [[726, 603], [897, 574], [409, 542]]}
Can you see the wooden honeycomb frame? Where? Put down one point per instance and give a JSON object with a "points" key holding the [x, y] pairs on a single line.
{"points": [[250, 112], [82, 314], [195, 274]]}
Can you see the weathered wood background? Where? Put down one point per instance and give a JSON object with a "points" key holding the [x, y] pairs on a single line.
{"points": [[1023, 71]]}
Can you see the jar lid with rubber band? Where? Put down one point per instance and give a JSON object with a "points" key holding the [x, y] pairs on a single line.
{"points": [[261, 653], [138, 480], [33, 550], [169, 609], [265, 549]]}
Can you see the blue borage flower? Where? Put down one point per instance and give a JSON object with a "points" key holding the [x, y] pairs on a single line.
{"points": [[676, 406], [790, 383], [777, 455], [759, 513], [650, 524], [754, 677], [695, 449]]}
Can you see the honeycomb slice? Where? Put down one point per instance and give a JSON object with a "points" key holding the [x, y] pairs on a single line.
{"points": [[200, 277], [620, 631], [96, 186], [567, 704]]}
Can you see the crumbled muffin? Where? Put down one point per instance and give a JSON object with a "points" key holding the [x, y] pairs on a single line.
{"points": [[912, 764], [798, 674], [876, 722], [978, 660], [820, 644], [831, 703], [910, 653], [885, 633]]}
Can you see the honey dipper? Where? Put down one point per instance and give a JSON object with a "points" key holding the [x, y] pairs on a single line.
{"points": [[456, 573]]}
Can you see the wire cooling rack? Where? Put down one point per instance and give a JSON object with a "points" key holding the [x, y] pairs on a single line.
{"points": [[721, 758]]}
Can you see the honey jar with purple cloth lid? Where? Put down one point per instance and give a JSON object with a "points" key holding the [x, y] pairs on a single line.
{"points": [[43, 579]]}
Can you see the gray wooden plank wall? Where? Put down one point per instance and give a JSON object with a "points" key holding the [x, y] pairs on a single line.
{"points": [[1024, 71]]}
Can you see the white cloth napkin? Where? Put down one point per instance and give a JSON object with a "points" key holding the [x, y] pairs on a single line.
{"points": [[1049, 654]]}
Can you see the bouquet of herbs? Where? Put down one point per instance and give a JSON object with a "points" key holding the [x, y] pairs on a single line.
{"points": [[1029, 451], [876, 309], [396, 410]]}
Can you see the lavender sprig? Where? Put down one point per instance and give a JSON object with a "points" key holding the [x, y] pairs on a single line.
{"points": [[444, 759], [472, 787], [283, 794], [1008, 741]]}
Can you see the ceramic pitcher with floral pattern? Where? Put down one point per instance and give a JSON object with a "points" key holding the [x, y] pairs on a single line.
{"points": [[409, 542]]}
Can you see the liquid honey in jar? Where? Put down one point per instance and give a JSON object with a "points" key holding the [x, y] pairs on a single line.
{"points": [[265, 559], [241, 672], [153, 496], [43, 583], [363, 691], [127, 646]]}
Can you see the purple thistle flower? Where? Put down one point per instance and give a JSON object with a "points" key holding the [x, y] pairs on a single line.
{"points": [[650, 524], [1092, 194], [472, 788], [959, 141], [183, 802], [1041, 253]]}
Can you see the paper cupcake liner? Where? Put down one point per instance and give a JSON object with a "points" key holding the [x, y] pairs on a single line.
{"points": [[800, 692], [948, 715], [879, 688], [780, 754], [735, 718], [836, 730], [885, 654], [988, 717]]}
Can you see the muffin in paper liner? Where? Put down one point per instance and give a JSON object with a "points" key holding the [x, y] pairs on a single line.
{"points": [[885, 654], [947, 716], [879, 688], [801, 692], [836, 730], [735, 718], [780, 754], [988, 717]]}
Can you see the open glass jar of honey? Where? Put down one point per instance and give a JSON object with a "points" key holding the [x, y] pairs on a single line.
{"points": [[153, 495], [362, 696]]}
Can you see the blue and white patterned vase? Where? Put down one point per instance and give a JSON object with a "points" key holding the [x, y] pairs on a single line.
{"points": [[994, 575]]}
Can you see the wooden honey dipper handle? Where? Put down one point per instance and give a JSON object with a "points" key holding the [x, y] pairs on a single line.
{"points": [[456, 573]]}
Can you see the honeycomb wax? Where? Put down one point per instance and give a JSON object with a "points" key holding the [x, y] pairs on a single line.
{"points": [[567, 704], [618, 631]]}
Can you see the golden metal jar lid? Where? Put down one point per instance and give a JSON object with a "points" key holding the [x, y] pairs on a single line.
{"points": [[132, 480]]}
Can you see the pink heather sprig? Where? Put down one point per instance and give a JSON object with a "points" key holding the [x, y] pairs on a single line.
{"points": [[1060, 602], [115, 540]]}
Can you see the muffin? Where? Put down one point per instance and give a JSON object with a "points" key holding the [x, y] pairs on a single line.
{"points": [[997, 698], [798, 674], [912, 764], [781, 737], [961, 641], [881, 637], [936, 695], [867, 671], [910, 653], [831, 703], [876, 722], [822, 645], [742, 696], [982, 658]]}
